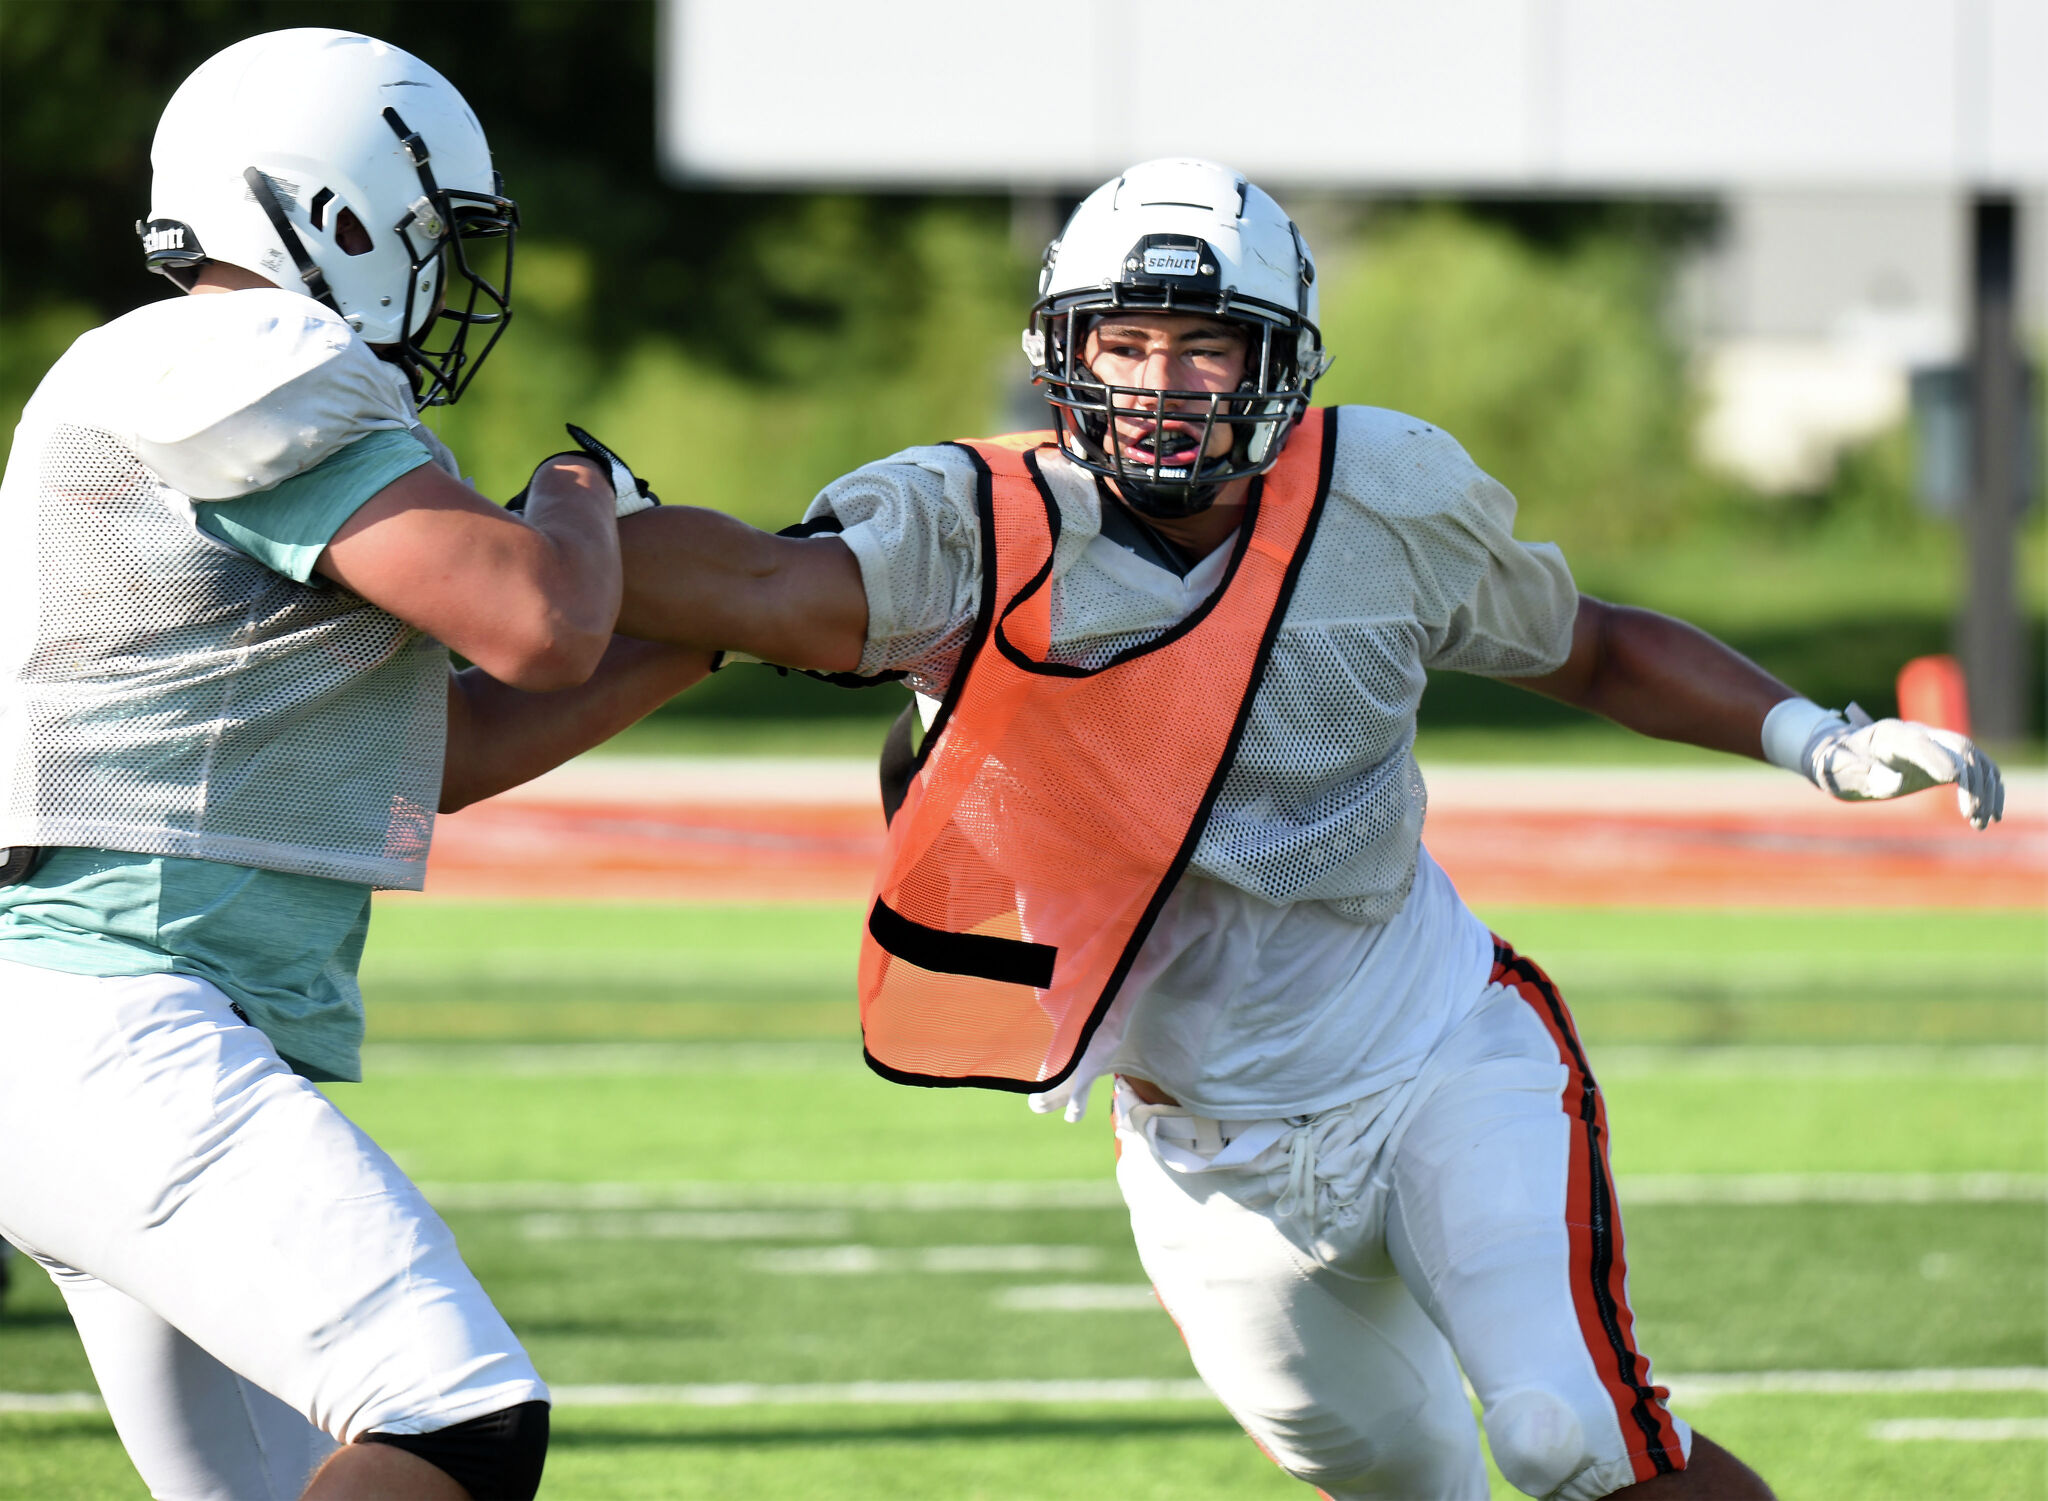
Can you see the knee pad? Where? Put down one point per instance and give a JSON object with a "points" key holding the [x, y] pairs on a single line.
{"points": [[1537, 1440], [496, 1457]]}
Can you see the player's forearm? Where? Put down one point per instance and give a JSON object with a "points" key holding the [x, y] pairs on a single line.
{"points": [[700, 578], [499, 737], [578, 569], [1664, 678]]}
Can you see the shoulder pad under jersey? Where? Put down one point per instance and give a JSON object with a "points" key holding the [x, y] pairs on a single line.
{"points": [[225, 394]]}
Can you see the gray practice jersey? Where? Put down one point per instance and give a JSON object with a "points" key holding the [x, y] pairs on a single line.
{"points": [[1414, 566], [162, 692]]}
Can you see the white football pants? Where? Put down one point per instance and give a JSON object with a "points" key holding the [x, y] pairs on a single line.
{"points": [[1331, 1273], [254, 1280]]}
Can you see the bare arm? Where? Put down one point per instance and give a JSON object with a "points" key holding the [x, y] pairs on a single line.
{"points": [[530, 601], [1663, 678], [695, 581], [499, 737], [703, 579]]}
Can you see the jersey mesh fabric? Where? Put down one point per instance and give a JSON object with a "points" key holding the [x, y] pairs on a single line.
{"points": [[1414, 566], [163, 693]]}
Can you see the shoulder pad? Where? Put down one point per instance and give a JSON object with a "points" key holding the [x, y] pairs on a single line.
{"points": [[1396, 464], [225, 394]]}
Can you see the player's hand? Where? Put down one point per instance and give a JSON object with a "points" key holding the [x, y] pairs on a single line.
{"points": [[628, 489], [1857, 758]]}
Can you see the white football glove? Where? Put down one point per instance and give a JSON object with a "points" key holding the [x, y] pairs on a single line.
{"points": [[629, 491], [1857, 758]]}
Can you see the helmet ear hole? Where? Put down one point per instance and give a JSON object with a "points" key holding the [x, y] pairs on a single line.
{"points": [[350, 235], [313, 104]]}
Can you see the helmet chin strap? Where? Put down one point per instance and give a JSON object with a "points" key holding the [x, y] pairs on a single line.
{"points": [[1167, 502]]}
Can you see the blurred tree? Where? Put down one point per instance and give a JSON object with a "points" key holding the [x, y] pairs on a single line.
{"points": [[566, 89], [745, 348], [1541, 348]]}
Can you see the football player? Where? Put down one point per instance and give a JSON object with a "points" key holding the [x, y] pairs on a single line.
{"points": [[1165, 825], [232, 566]]}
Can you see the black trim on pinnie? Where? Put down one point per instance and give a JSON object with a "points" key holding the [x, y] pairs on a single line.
{"points": [[984, 614], [980, 956], [1167, 637], [1599, 1207], [1200, 822], [899, 755]]}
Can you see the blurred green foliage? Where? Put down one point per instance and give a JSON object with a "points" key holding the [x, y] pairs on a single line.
{"points": [[743, 349], [917, 362], [1549, 364]]}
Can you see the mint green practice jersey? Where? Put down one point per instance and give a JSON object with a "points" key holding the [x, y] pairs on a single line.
{"points": [[224, 752]]}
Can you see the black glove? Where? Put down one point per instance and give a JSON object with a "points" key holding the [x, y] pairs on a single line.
{"points": [[629, 489]]}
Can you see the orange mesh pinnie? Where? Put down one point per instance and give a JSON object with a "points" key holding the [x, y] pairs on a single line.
{"points": [[1055, 806]]}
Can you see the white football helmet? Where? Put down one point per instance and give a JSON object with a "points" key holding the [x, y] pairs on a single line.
{"points": [[266, 148], [1180, 236]]}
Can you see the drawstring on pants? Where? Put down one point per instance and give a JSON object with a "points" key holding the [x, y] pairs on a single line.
{"points": [[1300, 1195]]}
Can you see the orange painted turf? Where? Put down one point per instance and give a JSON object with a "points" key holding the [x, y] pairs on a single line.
{"points": [[1505, 838]]}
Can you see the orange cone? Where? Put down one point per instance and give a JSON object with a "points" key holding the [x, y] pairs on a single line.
{"points": [[1932, 691]]}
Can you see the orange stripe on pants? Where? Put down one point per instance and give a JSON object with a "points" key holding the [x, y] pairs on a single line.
{"points": [[1599, 1270]]}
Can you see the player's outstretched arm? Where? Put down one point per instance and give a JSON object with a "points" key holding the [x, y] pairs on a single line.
{"points": [[1664, 678], [499, 737], [695, 582], [701, 578], [504, 731], [530, 600]]}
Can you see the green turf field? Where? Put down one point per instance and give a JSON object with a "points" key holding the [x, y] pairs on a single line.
{"points": [[652, 1133]]}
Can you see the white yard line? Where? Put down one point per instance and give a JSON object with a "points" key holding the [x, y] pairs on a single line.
{"points": [[1830, 1061], [1089, 1193], [1960, 1430], [560, 1060], [1079, 1297], [42, 1402], [868, 1261], [689, 1224], [1684, 1388], [1709, 1384], [1082, 1193], [1833, 1188]]}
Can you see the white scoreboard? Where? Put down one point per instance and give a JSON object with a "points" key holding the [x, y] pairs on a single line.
{"points": [[1504, 95]]}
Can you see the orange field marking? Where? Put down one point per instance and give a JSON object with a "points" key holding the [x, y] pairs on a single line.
{"points": [[1506, 837]]}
